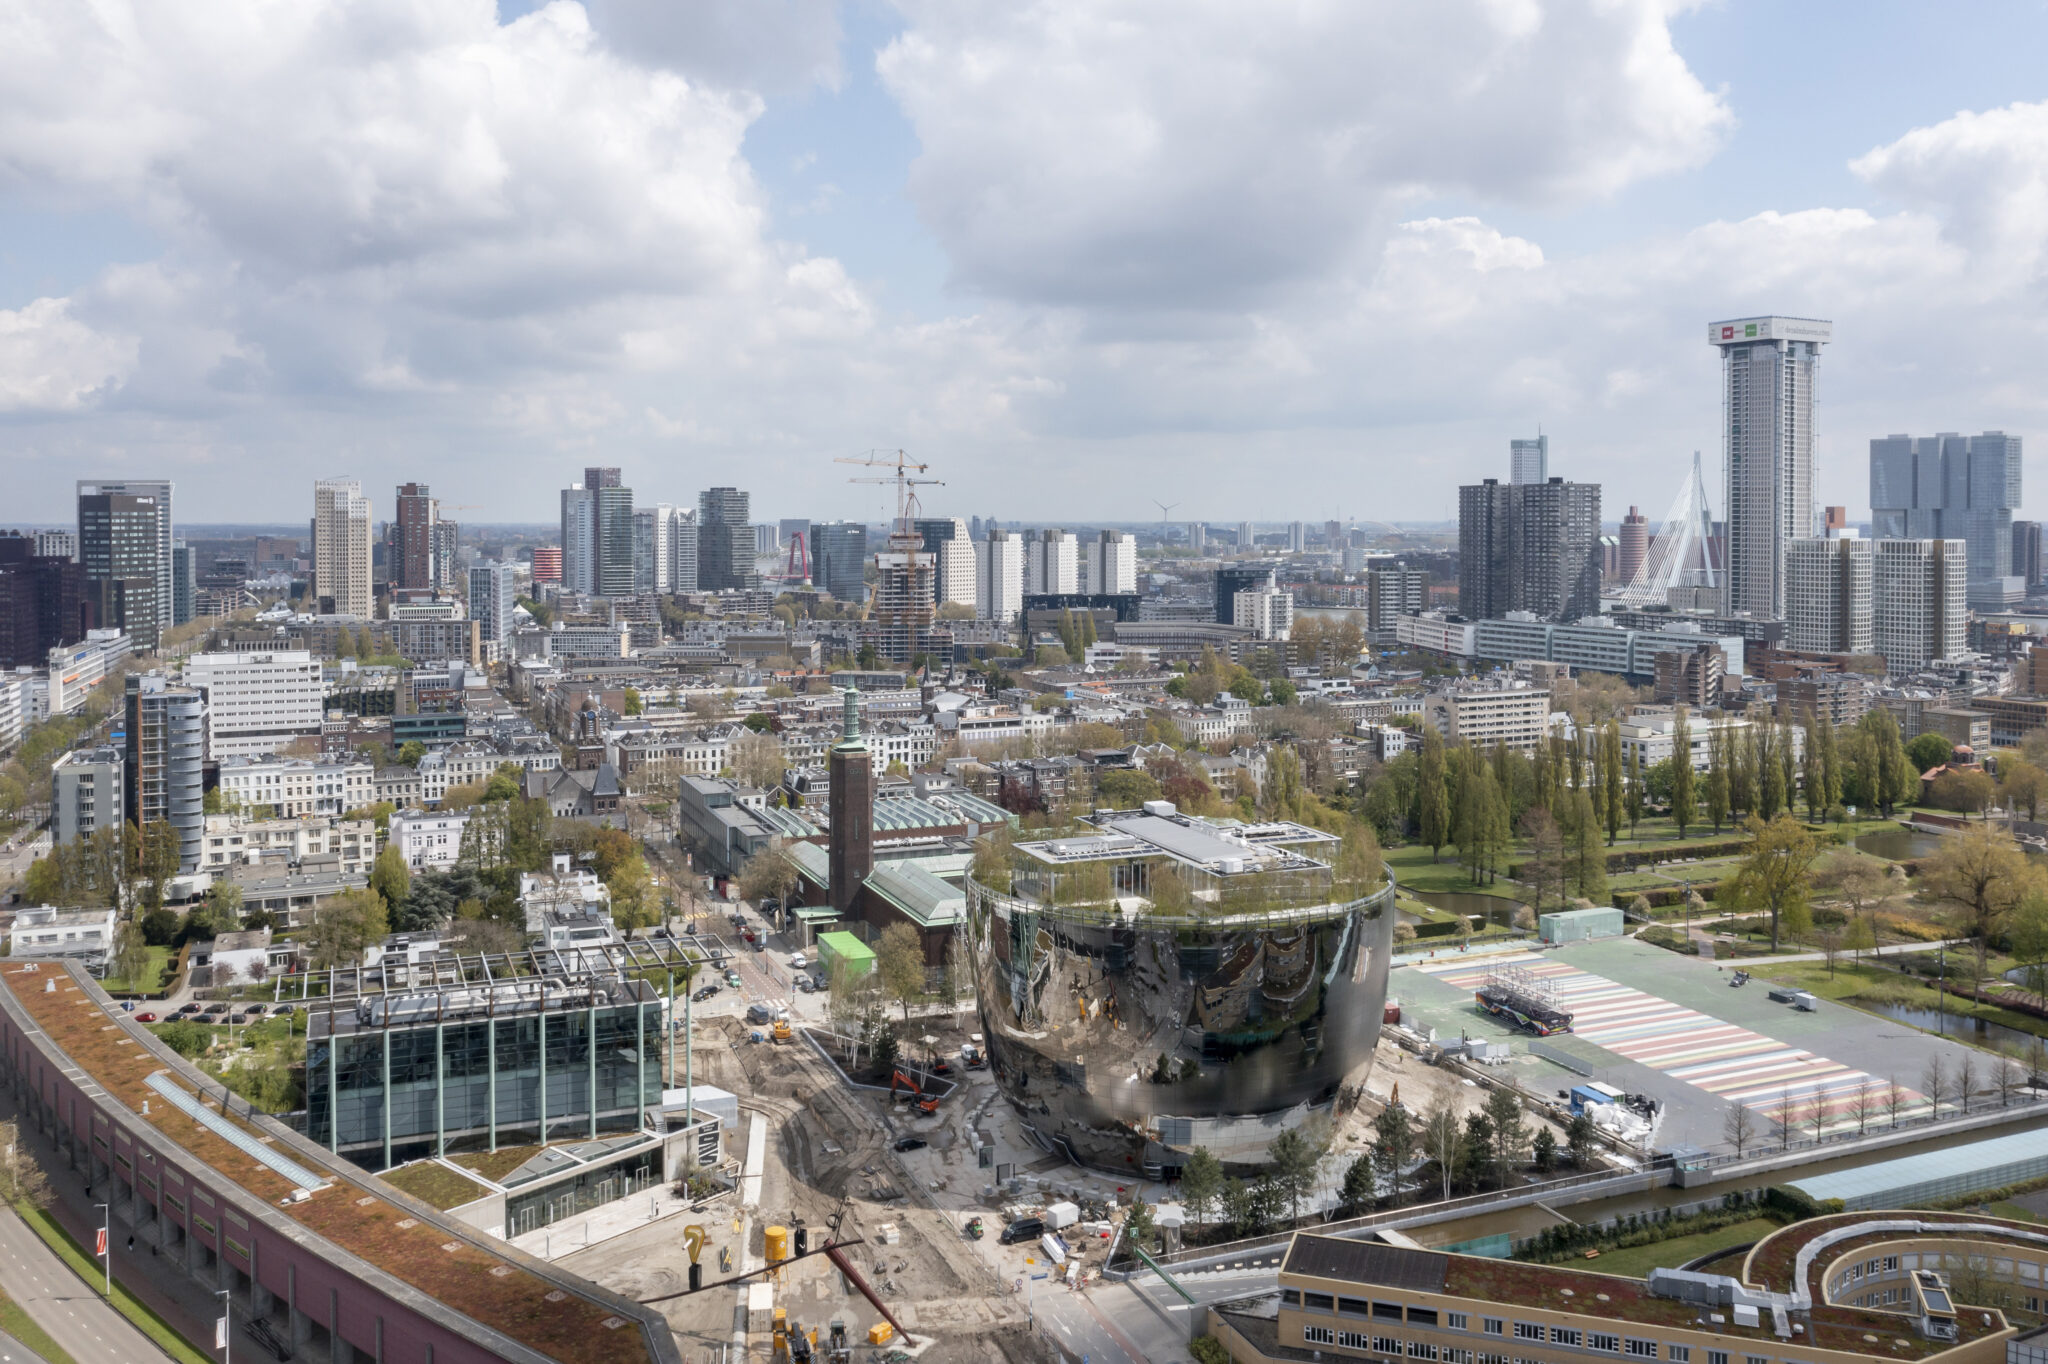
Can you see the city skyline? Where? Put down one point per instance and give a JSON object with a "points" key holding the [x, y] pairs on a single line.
{"points": [[825, 175]]}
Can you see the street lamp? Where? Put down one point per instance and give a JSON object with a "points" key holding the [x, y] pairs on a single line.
{"points": [[107, 1244], [222, 1329]]}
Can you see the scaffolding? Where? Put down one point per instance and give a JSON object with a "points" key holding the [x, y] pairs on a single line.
{"points": [[1525, 999]]}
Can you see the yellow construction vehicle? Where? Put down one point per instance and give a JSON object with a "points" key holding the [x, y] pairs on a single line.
{"points": [[780, 1032]]}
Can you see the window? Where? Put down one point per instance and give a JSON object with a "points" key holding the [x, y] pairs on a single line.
{"points": [[1601, 1340], [1453, 1355], [1354, 1340], [1290, 1297], [1678, 1354], [1387, 1311], [1493, 1326], [1319, 1335], [1485, 1358], [1757, 1359], [1418, 1350], [1717, 1357], [1525, 1330], [1456, 1321], [1566, 1335], [1386, 1345], [1320, 1302], [1891, 1264], [1422, 1316], [1641, 1349], [1357, 1307]]}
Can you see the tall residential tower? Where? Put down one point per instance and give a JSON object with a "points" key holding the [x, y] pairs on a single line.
{"points": [[1767, 366]]}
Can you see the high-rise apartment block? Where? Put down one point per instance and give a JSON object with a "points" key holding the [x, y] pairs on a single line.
{"points": [[725, 541], [1230, 582], [1529, 547], [410, 557], [998, 576], [905, 604], [1952, 487], [258, 703], [1529, 460], [2026, 553], [1268, 612], [839, 559], [57, 544], [165, 760], [1297, 537], [124, 547], [653, 548], [1767, 366], [1392, 593], [341, 548], [184, 583], [945, 538], [682, 554], [1246, 540], [767, 539], [85, 791], [492, 597], [1828, 596], [1052, 563], [1198, 537], [579, 540], [1109, 564], [547, 564], [1920, 601]]}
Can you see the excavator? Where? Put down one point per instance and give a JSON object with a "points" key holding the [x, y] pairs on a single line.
{"points": [[924, 1104], [780, 1032]]}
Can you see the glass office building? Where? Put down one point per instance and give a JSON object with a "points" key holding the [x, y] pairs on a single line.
{"points": [[403, 1077]]}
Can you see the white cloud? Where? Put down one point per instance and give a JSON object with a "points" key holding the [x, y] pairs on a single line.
{"points": [[52, 362], [771, 46], [1200, 153]]}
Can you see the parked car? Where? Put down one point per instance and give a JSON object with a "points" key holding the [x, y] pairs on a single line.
{"points": [[910, 1143], [189, 1007], [216, 1008], [799, 961], [732, 979], [759, 1013], [238, 1018], [145, 1018], [255, 1009], [705, 993], [128, 1006], [1023, 1229]]}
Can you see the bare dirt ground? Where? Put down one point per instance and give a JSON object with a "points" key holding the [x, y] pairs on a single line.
{"points": [[828, 1161]]}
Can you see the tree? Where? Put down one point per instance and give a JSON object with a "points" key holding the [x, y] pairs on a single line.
{"points": [[757, 760], [1126, 788], [1738, 1128], [1773, 877], [1393, 1146], [1545, 868], [2022, 785], [632, 702], [1934, 1084], [130, 959], [1510, 1133], [1432, 797], [1579, 1139], [1584, 856], [1858, 883], [22, 1181], [410, 752], [343, 926], [633, 902], [1891, 775], [1635, 790], [1201, 1183], [1440, 1139], [1613, 779], [770, 873], [1361, 1187], [1543, 1151], [1294, 1158], [1720, 790], [899, 959], [1962, 790], [220, 912], [1681, 772], [1929, 750], [1982, 875], [390, 877]]}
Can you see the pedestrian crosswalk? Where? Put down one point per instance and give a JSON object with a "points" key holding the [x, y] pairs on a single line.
{"points": [[1784, 1083]]}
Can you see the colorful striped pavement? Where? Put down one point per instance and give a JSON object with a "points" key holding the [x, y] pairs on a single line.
{"points": [[1733, 1063]]}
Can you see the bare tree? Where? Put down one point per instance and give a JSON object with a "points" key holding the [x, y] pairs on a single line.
{"points": [[1817, 1110], [1894, 1099], [1738, 1126], [2009, 1076], [1968, 1086], [1862, 1104], [1934, 1084], [1783, 1118]]}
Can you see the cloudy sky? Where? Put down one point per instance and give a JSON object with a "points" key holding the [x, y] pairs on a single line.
{"points": [[1292, 259]]}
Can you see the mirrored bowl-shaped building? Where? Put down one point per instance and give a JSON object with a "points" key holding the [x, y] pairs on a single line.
{"points": [[1162, 982]]}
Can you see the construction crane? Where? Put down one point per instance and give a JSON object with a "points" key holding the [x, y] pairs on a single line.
{"points": [[906, 486]]}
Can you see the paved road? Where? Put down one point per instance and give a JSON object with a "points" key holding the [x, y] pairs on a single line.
{"points": [[76, 1316], [1143, 1322]]}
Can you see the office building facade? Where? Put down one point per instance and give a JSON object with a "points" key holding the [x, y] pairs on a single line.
{"points": [[258, 703], [1920, 602], [1949, 487], [1828, 596], [725, 541], [1634, 546], [547, 564], [614, 569], [157, 491], [1229, 582], [492, 596], [946, 539], [682, 552], [998, 576], [653, 548], [2026, 553], [184, 584], [165, 761], [1529, 460], [579, 540], [86, 793], [1529, 547], [409, 561], [124, 551], [1767, 366], [341, 548], [1269, 613], [839, 556]]}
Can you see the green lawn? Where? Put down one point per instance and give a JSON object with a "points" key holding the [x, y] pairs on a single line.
{"points": [[152, 979], [17, 1323], [1637, 1261], [1416, 872], [89, 1269], [434, 1184]]}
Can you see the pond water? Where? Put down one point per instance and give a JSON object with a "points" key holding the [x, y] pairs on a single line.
{"points": [[1900, 845], [1493, 908], [1956, 1025]]}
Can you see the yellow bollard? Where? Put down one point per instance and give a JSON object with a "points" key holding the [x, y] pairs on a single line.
{"points": [[777, 1239]]}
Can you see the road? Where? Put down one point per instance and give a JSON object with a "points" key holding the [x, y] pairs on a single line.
{"points": [[1143, 1322], [76, 1316]]}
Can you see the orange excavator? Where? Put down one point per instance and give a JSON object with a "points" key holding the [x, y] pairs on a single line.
{"points": [[924, 1104]]}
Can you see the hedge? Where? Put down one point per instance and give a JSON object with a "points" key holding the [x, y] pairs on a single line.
{"points": [[1662, 896]]}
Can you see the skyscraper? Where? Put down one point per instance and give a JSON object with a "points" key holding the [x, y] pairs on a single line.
{"points": [[491, 601], [119, 534], [1767, 368], [1529, 460], [614, 567], [1827, 599], [158, 491], [1297, 537], [945, 539], [682, 554], [839, 556], [1110, 564], [1635, 545], [446, 537], [1230, 582], [1949, 486], [547, 564], [411, 558], [166, 756], [1529, 547], [905, 604], [998, 576], [184, 583], [1052, 563], [341, 548], [1919, 595], [653, 552], [605, 477], [1198, 537], [1247, 542], [725, 541], [579, 539], [2026, 552]]}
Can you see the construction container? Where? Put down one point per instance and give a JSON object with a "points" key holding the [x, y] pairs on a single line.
{"points": [[1391, 1014], [1579, 925], [881, 1333], [1060, 1216]]}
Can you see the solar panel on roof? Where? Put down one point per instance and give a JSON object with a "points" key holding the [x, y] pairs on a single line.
{"points": [[188, 1103]]}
